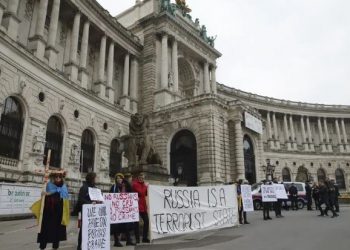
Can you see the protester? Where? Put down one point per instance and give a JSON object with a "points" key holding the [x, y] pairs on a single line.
{"points": [[241, 213], [316, 195], [293, 192], [266, 206], [277, 206], [121, 186], [285, 201], [337, 194], [140, 187], [308, 195], [331, 198], [55, 215], [84, 198]]}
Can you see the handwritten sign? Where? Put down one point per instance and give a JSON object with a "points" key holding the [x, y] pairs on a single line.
{"points": [[182, 210], [96, 227], [124, 207], [17, 198], [246, 192], [95, 194], [280, 191], [268, 193]]}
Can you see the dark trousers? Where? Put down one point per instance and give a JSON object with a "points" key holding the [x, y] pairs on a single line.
{"points": [[55, 245], [266, 210], [277, 206], [294, 200], [317, 203], [309, 203], [242, 216], [330, 206], [145, 219], [80, 238], [336, 204], [123, 228]]}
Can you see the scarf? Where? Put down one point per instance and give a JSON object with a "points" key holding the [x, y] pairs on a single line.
{"points": [[63, 191]]}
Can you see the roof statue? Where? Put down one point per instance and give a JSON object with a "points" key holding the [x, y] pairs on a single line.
{"points": [[183, 6]]}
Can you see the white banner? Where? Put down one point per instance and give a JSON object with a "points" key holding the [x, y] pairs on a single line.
{"points": [[96, 227], [17, 198], [182, 210], [124, 207], [246, 192], [268, 193], [280, 191], [95, 194], [253, 123]]}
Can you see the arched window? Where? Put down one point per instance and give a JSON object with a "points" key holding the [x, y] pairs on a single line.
{"points": [[54, 140], [87, 155], [249, 160], [286, 175], [115, 159], [321, 175], [11, 129], [339, 177]]}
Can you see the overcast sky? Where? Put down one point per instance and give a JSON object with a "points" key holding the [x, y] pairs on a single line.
{"points": [[289, 49]]}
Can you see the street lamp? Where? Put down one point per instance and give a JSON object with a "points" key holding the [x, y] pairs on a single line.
{"points": [[175, 180], [269, 170]]}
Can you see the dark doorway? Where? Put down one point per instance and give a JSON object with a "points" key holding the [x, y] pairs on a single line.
{"points": [[87, 157], [54, 140], [183, 156], [302, 174], [249, 160], [115, 160]]}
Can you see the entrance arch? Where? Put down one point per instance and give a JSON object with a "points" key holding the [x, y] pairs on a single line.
{"points": [[302, 175], [183, 155], [249, 160], [187, 80]]}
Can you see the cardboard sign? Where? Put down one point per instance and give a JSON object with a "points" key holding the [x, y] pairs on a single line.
{"points": [[280, 191], [183, 210], [124, 207], [268, 193], [96, 227], [95, 194], [247, 199]]}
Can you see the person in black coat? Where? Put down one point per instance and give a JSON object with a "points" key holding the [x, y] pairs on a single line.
{"points": [[266, 206], [331, 198], [293, 192], [337, 194], [308, 195], [316, 195], [84, 198], [121, 186], [277, 206]]}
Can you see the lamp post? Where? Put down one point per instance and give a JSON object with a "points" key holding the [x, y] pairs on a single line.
{"points": [[176, 179], [269, 170]]}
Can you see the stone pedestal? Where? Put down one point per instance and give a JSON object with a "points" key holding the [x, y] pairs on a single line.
{"points": [[37, 44], [71, 70], [84, 77], [100, 89], [330, 148], [11, 23], [51, 54], [312, 147], [306, 147], [155, 173], [110, 94], [125, 102], [133, 106], [163, 97], [289, 146]]}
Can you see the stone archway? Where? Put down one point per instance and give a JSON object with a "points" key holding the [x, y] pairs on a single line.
{"points": [[183, 155], [302, 174], [187, 81]]}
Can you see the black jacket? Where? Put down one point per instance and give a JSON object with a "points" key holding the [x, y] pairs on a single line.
{"points": [[115, 189], [293, 191], [84, 197]]}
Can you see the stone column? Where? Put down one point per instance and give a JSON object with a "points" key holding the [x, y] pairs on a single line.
{"points": [[294, 142], [206, 78], [100, 85], [175, 66], [83, 74], [269, 129], [2, 9], [240, 172], [322, 145], [311, 144], [125, 100], [164, 66], [303, 133], [346, 145], [329, 144], [110, 73], [134, 78], [11, 20], [340, 143], [286, 133], [213, 80], [275, 130], [72, 66], [51, 51]]}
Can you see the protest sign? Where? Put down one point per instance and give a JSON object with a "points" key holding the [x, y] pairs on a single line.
{"points": [[95, 194], [182, 210], [247, 199], [268, 193], [124, 207], [280, 191], [96, 227]]}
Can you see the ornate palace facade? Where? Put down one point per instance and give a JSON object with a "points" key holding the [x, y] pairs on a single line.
{"points": [[71, 77]]}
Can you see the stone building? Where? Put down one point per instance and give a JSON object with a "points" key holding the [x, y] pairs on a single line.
{"points": [[71, 76]]}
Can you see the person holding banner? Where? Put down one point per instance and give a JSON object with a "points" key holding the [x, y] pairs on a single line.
{"points": [[55, 214], [84, 198], [121, 186], [293, 192], [241, 213], [140, 187], [266, 204]]}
